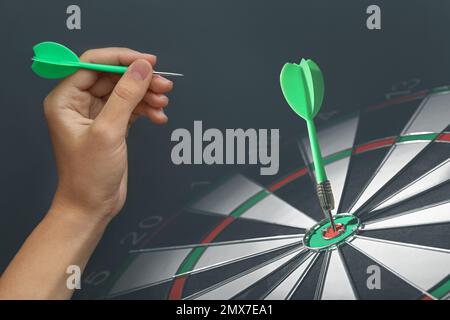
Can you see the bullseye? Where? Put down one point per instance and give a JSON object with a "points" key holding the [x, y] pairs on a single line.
{"points": [[322, 236], [329, 233]]}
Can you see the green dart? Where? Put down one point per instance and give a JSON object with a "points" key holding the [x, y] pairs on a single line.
{"points": [[303, 88], [53, 60]]}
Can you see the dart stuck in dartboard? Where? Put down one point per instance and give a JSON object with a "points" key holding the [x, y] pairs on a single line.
{"points": [[303, 88]]}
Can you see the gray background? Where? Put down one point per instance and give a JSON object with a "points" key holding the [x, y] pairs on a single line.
{"points": [[231, 53]]}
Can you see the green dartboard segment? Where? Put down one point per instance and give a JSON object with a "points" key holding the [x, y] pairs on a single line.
{"points": [[303, 88], [314, 237]]}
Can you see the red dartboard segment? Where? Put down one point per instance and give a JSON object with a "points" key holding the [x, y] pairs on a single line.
{"points": [[412, 97], [217, 230], [444, 137], [386, 142], [289, 178], [176, 292]]}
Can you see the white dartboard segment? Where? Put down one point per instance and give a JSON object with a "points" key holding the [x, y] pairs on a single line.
{"points": [[229, 195], [219, 255], [398, 157], [288, 285], [161, 264], [241, 282], [434, 177], [423, 267], [276, 211], [439, 213], [337, 285], [149, 269]]}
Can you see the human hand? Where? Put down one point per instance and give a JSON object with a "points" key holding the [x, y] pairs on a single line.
{"points": [[88, 116]]}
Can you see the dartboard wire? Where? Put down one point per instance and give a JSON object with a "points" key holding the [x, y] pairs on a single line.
{"points": [[322, 275], [231, 261], [412, 183], [382, 143], [128, 291], [440, 265], [298, 251], [303, 257], [296, 246], [428, 135], [219, 243], [303, 276], [404, 244], [178, 285], [401, 99], [346, 263], [310, 255], [350, 164], [327, 266], [425, 292], [405, 213], [391, 150], [129, 259], [372, 214], [361, 209], [366, 185], [270, 193], [379, 143], [204, 212], [242, 217]]}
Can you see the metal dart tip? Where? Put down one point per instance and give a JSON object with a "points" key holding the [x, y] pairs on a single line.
{"points": [[330, 217], [169, 74]]}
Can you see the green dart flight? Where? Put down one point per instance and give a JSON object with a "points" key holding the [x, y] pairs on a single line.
{"points": [[53, 60], [303, 88]]}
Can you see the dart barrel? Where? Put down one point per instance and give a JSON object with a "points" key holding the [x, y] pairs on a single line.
{"points": [[325, 195]]}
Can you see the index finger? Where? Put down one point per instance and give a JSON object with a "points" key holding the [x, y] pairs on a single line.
{"points": [[84, 79]]}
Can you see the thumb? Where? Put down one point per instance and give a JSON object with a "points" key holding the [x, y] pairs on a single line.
{"points": [[126, 95]]}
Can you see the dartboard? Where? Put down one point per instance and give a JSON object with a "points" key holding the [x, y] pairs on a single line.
{"points": [[261, 237]]}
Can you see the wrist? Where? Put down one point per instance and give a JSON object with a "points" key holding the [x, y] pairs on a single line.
{"points": [[77, 213]]}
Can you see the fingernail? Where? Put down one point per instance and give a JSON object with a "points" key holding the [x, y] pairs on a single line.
{"points": [[167, 81], [165, 98], [165, 117], [152, 57], [140, 69]]}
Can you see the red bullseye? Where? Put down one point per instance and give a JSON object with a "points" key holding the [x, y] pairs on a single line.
{"points": [[329, 233]]}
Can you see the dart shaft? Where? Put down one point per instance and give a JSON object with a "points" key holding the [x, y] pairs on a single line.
{"points": [[330, 217], [117, 69], [102, 67], [319, 169], [324, 191]]}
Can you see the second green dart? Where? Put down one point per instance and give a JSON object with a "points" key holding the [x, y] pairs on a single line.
{"points": [[303, 88]]}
